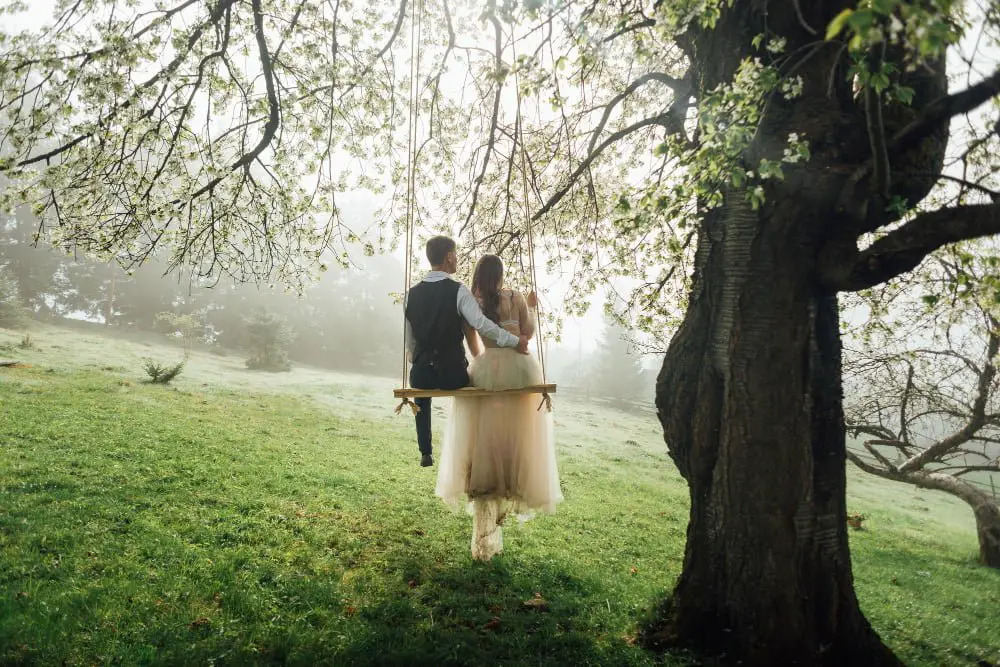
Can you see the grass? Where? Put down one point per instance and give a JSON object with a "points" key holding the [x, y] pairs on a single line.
{"points": [[243, 518]]}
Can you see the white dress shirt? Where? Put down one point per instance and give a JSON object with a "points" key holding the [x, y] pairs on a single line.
{"points": [[470, 311]]}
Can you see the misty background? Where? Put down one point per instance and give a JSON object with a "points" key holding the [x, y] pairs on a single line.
{"points": [[349, 320]]}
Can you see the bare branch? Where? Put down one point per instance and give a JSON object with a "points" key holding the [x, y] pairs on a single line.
{"points": [[903, 424], [976, 420], [670, 81], [666, 119], [495, 117], [938, 112], [943, 109], [876, 130]]}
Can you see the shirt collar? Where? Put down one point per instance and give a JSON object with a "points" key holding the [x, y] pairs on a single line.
{"points": [[435, 276]]}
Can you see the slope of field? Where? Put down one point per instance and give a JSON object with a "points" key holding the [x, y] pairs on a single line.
{"points": [[253, 518]]}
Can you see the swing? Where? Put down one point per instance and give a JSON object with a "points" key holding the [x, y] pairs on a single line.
{"points": [[406, 393]]}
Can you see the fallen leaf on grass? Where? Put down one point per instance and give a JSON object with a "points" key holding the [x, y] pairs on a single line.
{"points": [[537, 602], [199, 623], [492, 624]]}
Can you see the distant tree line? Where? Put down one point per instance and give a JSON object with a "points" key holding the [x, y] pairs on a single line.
{"points": [[346, 321]]}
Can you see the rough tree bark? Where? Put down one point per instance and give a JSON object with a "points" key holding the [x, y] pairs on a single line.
{"points": [[750, 394]]}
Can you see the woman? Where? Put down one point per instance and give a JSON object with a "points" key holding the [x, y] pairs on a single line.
{"points": [[498, 451]]}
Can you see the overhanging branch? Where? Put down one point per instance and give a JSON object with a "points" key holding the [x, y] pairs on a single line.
{"points": [[944, 109], [935, 114], [904, 248], [671, 119]]}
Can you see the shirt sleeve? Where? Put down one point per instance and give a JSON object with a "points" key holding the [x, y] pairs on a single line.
{"points": [[470, 311], [408, 340]]}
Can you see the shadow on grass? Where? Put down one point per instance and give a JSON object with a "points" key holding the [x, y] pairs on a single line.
{"points": [[503, 612]]}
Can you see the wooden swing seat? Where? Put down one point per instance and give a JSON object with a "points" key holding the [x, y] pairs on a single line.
{"points": [[469, 392]]}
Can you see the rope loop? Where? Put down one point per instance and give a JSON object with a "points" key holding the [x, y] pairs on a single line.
{"points": [[413, 406]]}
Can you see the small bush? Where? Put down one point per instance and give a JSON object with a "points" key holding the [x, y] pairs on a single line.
{"points": [[161, 373], [26, 343]]}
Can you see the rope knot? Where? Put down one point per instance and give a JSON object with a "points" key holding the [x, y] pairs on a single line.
{"points": [[413, 406]]}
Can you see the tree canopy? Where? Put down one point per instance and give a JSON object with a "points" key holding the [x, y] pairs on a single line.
{"points": [[222, 132]]}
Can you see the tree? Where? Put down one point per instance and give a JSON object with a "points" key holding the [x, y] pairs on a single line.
{"points": [[35, 270], [923, 390], [617, 368], [268, 336], [188, 327], [12, 314], [729, 155]]}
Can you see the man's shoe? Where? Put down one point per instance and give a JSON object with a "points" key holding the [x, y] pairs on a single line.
{"points": [[426, 461]]}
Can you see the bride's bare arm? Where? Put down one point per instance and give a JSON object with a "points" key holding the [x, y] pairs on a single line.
{"points": [[525, 315], [472, 338]]}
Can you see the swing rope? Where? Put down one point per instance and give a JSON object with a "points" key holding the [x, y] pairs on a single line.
{"points": [[529, 223], [411, 139], [416, 21]]}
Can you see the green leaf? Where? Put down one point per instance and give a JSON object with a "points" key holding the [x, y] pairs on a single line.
{"points": [[861, 20], [838, 23], [904, 94]]}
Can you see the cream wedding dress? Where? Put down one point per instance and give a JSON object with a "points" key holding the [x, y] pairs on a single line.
{"points": [[498, 454]]}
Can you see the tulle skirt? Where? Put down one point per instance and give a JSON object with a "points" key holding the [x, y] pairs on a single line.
{"points": [[498, 455]]}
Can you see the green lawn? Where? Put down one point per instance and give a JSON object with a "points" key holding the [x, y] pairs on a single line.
{"points": [[283, 519]]}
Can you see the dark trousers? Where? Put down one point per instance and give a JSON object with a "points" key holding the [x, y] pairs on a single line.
{"points": [[425, 376]]}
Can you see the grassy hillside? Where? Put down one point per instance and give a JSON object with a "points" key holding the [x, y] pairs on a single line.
{"points": [[242, 517]]}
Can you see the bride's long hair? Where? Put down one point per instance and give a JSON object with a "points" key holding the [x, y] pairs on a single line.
{"points": [[486, 282]]}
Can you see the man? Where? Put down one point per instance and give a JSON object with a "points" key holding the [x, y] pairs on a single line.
{"points": [[435, 310]]}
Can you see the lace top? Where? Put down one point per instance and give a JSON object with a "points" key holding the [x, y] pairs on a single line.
{"points": [[514, 315]]}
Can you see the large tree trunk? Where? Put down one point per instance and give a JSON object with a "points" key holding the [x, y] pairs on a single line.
{"points": [[750, 393], [750, 401]]}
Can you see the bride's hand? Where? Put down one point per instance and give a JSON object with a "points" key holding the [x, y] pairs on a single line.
{"points": [[532, 300]]}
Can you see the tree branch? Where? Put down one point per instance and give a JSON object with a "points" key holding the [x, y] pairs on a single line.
{"points": [[495, 117], [904, 430], [943, 109], [876, 129], [667, 119], [670, 81], [977, 419], [904, 248], [195, 35], [937, 112], [274, 108]]}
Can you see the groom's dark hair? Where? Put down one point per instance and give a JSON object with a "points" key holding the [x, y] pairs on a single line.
{"points": [[438, 248]]}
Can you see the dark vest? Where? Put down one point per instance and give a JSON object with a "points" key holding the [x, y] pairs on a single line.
{"points": [[432, 309]]}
